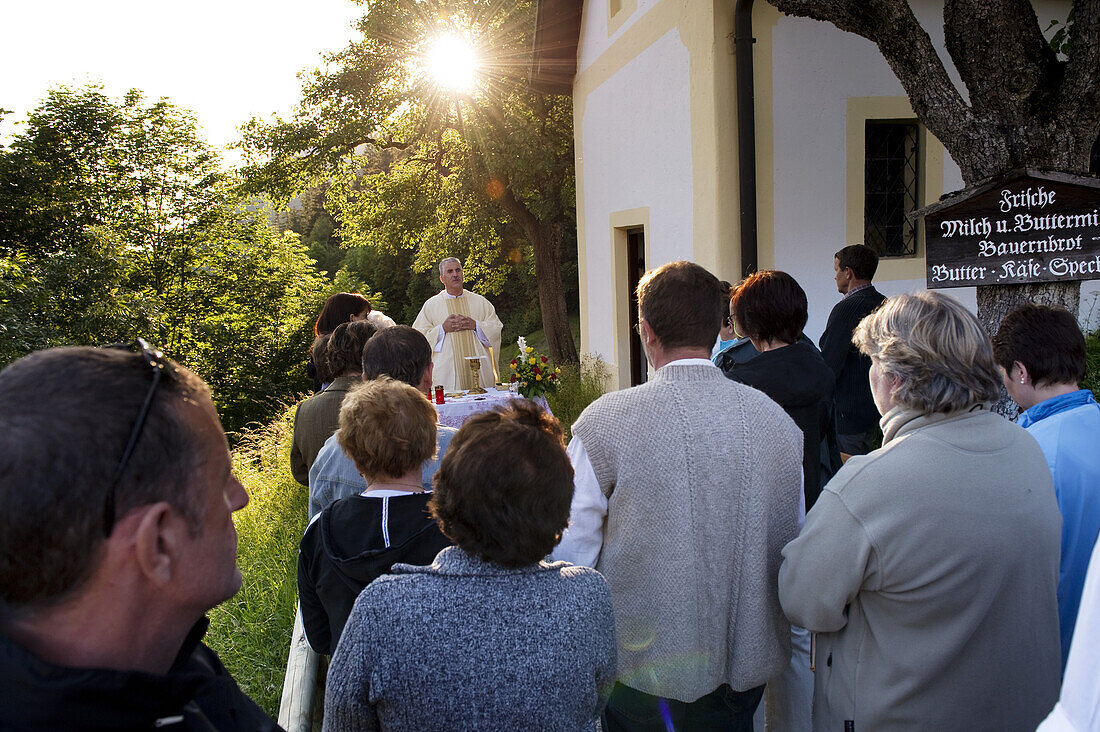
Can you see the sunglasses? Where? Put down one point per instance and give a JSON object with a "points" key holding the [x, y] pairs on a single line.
{"points": [[157, 363]]}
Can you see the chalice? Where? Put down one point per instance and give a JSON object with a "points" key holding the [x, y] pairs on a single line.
{"points": [[475, 369]]}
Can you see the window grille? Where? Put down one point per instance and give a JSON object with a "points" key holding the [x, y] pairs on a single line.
{"points": [[891, 176]]}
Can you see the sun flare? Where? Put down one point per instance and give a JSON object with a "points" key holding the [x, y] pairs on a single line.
{"points": [[452, 62]]}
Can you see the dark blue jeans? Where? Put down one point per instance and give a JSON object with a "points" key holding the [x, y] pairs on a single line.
{"points": [[721, 709]]}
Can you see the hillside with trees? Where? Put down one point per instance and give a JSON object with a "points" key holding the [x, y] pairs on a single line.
{"points": [[118, 221]]}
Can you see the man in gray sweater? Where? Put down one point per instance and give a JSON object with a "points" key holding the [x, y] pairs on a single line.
{"points": [[686, 489]]}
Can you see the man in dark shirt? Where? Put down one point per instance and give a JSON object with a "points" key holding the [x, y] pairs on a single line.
{"points": [[856, 415], [117, 497]]}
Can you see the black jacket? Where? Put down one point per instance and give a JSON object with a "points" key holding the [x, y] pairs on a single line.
{"points": [[855, 407], [349, 544], [796, 378], [196, 694]]}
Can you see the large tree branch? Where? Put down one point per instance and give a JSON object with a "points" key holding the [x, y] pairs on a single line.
{"points": [[1080, 91], [1004, 60], [907, 48]]}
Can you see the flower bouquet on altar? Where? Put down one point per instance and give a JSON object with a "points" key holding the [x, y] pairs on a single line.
{"points": [[532, 373]]}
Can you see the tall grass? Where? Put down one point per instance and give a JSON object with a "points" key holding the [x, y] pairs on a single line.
{"points": [[251, 632], [580, 385]]}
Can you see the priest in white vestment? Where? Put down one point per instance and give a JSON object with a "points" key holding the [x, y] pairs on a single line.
{"points": [[460, 324]]}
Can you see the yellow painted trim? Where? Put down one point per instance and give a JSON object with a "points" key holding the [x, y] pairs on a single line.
{"points": [[582, 241], [713, 115], [643, 33], [621, 224], [929, 186], [631, 218], [765, 17], [617, 13]]}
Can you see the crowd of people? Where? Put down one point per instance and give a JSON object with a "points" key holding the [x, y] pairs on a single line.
{"points": [[767, 532]]}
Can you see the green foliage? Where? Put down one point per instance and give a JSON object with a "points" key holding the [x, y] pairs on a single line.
{"points": [[116, 221], [579, 385], [251, 632], [485, 175], [1060, 40]]}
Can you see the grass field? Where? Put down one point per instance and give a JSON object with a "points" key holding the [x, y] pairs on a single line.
{"points": [[251, 632]]}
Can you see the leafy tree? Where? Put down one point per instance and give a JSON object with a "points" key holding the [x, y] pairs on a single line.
{"points": [[1025, 106], [117, 221], [470, 173]]}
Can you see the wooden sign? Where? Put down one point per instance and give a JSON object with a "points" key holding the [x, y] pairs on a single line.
{"points": [[1028, 226]]}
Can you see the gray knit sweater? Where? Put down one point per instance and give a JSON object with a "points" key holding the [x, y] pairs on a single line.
{"points": [[703, 477], [464, 644]]}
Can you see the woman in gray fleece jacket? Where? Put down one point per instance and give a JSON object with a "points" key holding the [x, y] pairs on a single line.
{"points": [[488, 636], [928, 568]]}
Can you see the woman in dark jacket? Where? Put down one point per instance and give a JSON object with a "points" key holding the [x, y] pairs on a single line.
{"points": [[770, 308], [388, 429]]}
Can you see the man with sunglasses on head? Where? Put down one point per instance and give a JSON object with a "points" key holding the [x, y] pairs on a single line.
{"points": [[116, 536]]}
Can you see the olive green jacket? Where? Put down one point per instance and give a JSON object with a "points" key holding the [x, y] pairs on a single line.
{"points": [[314, 422]]}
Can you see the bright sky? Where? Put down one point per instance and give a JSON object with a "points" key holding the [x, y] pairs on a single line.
{"points": [[226, 60]]}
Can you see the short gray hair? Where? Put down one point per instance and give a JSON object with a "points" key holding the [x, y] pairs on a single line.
{"points": [[449, 259], [938, 349], [65, 417]]}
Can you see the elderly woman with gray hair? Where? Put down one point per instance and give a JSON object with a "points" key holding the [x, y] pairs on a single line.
{"points": [[928, 568]]}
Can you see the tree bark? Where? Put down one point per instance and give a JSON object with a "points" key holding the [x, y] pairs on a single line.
{"points": [[545, 238], [555, 316]]}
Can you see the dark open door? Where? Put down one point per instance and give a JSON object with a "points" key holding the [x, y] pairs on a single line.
{"points": [[635, 264]]}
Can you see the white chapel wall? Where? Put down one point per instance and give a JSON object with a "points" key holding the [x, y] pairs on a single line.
{"points": [[634, 151]]}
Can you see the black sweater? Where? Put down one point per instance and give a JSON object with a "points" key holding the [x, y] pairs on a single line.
{"points": [[351, 543], [797, 379], [196, 694], [855, 407]]}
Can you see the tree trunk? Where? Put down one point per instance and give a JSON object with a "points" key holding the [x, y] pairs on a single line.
{"points": [[555, 318], [545, 238]]}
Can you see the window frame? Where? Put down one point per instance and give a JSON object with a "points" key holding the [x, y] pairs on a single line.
{"points": [[930, 184], [896, 144]]}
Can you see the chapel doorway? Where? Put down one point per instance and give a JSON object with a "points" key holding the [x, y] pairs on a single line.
{"points": [[635, 268]]}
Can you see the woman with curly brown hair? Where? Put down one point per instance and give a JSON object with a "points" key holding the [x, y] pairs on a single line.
{"points": [[488, 636]]}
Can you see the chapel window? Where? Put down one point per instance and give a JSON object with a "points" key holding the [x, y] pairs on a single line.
{"points": [[891, 176]]}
